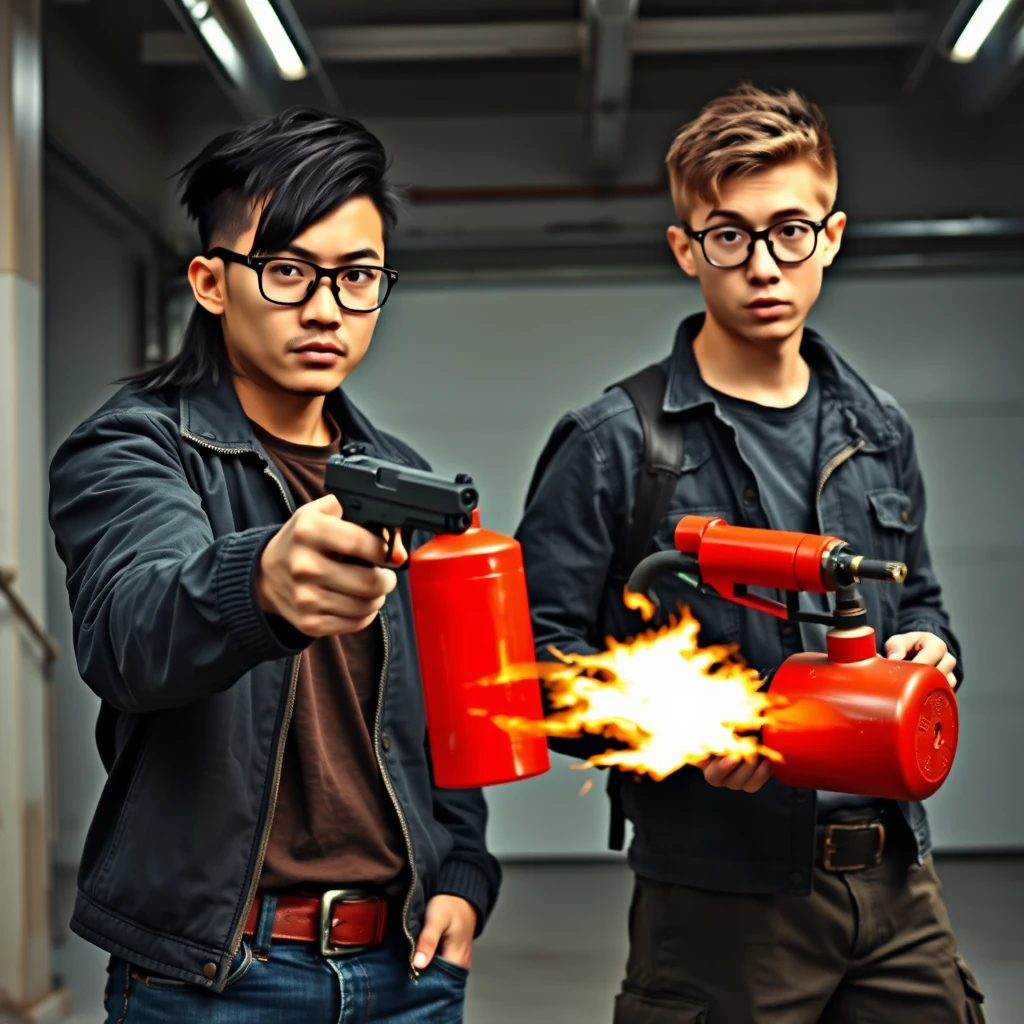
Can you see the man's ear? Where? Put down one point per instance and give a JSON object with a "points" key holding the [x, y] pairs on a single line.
{"points": [[833, 237], [682, 248], [206, 276]]}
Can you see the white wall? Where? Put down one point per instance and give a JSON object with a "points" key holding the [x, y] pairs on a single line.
{"points": [[476, 376]]}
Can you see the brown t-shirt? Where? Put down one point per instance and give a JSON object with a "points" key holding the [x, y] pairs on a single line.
{"points": [[334, 823]]}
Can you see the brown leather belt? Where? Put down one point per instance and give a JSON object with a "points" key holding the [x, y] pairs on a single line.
{"points": [[340, 921], [851, 846]]}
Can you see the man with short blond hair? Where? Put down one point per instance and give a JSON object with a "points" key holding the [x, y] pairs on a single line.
{"points": [[735, 917]]}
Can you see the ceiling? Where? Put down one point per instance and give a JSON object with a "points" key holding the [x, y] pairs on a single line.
{"points": [[415, 58], [602, 66]]}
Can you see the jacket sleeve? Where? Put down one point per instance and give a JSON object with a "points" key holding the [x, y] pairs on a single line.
{"points": [[921, 607], [469, 871], [163, 613], [568, 533]]}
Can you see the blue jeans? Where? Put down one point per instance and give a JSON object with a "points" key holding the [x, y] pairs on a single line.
{"points": [[290, 983]]}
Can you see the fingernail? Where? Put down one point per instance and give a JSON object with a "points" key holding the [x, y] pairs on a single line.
{"points": [[420, 961]]}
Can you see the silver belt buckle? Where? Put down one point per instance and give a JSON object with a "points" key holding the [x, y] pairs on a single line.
{"points": [[327, 903]]}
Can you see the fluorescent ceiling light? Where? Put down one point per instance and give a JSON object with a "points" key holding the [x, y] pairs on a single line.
{"points": [[978, 29], [216, 38], [289, 63], [223, 48]]}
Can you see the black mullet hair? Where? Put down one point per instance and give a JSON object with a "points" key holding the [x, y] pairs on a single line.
{"points": [[305, 164]]}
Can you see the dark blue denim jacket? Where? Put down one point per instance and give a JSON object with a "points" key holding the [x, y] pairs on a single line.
{"points": [[870, 493]]}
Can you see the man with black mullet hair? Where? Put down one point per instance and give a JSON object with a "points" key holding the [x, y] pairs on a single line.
{"points": [[269, 845]]}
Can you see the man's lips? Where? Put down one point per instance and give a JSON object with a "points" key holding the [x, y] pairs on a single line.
{"points": [[320, 346], [767, 309], [319, 353]]}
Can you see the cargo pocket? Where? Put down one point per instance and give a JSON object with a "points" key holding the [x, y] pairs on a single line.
{"points": [[634, 1008], [975, 997]]}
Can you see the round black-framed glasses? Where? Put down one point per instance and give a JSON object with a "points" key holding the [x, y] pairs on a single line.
{"points": [[290, 281], [790, 241]]}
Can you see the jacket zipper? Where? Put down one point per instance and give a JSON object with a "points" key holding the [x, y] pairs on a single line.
{"points": [[236, 939], [394, 799], [833, 464]]}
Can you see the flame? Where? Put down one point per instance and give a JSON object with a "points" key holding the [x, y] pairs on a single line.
{"points": [[638, 603], [671, 702]]}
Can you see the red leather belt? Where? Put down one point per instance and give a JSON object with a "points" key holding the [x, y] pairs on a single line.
{"points": [[339, 921]]}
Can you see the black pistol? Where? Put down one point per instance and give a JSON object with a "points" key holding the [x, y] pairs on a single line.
{"points": [[387, 496]]}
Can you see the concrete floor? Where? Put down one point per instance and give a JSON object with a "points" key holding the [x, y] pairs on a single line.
{"points": [[554, 950]]}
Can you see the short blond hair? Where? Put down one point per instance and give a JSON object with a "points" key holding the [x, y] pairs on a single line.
{"points": [[746, 131]]}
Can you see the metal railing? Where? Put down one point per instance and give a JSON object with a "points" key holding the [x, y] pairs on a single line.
{"points": [[51, 649]]}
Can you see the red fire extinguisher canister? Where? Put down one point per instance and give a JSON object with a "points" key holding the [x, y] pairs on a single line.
{"points": [[472, 621], [860, 723]]}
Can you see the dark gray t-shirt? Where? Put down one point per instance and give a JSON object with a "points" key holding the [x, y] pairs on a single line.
{"points": [[781, 447]]}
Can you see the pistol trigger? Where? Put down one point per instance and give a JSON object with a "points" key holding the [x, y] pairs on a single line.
{"points": [[390, 544]]}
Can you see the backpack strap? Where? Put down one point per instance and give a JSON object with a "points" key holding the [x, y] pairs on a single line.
{"points": [[662, 464]]}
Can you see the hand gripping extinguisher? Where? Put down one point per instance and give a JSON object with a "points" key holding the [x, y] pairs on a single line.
{"points": [[470, 611], [851, 721]]}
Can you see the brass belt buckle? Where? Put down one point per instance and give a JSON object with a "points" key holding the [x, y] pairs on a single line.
{"points": [[327, 902], [830, 847]]}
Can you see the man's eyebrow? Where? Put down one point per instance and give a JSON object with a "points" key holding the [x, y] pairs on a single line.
{"points": [[368, 253], [732, 215]]}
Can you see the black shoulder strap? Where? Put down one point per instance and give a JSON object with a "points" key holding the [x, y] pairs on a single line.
{"points": [[663, 462]]}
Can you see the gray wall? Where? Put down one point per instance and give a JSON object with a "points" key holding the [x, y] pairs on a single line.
{"points": [[475, 376], [93, 331]]}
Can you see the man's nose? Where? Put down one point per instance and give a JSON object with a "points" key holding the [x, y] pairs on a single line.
{"points": [[761, 264], [321, 307]]}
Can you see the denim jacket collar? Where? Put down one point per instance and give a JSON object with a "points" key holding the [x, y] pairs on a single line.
{"points": [[863, 415]]}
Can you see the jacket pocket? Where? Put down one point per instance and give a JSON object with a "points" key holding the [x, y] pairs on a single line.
{"points": [[892, 524], [100, 887], [634, 1008], [892, 510]]}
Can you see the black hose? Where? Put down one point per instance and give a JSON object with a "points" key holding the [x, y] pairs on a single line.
{"points": [[649, 569]]}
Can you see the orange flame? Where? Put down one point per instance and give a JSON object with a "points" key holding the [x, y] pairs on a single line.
{"points": [[638, 603], [671, 702]]}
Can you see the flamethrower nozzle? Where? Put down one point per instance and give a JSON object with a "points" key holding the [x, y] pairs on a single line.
{"points": [[845, 568]]}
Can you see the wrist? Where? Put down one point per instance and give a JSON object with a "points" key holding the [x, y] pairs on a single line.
{"points": [[264, 597]]}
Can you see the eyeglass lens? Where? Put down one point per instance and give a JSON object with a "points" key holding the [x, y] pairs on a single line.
{"points": [[728, 246], [359, 288]]}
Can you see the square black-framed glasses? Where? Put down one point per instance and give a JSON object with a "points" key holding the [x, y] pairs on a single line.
{"points": [[257, 264], [816, 226]]}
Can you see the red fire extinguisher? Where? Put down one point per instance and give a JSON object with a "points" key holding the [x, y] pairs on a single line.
{"points": [[472, 621], [851, 721], [470, 612]]}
